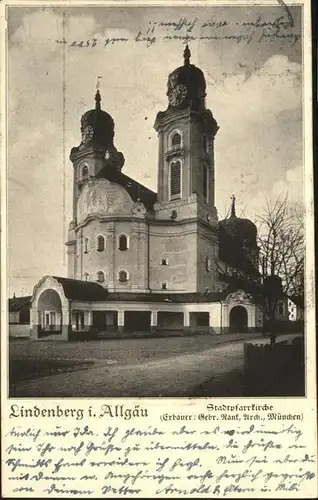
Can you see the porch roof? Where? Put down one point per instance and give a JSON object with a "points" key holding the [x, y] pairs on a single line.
{"points": [[85, 291]]}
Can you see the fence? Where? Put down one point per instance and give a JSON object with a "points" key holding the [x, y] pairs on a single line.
{"points": [[274, 370]]}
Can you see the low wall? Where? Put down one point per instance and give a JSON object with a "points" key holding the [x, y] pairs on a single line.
{"points": [[22, 331], [120, 333], [283, 326], [274, 369]]}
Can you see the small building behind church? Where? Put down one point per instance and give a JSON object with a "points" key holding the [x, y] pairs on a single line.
{"points": [[19, 316], [144, 261]]}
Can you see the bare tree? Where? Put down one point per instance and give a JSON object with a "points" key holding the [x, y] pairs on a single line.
{"points": [[281, 244], [281, 258]]}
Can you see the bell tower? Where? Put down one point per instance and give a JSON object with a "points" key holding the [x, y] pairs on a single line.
{"points": [[186, 131], [96, 150], [95, 154]]}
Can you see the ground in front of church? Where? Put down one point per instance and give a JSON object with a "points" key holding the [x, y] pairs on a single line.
{"points": [[202, 365]]}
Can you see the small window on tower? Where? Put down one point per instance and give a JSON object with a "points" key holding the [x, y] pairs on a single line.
{"points": [[163, 286], [175, 179], [164, 262], [122, 242], [100, 243], [100, 277], [176, 139]]}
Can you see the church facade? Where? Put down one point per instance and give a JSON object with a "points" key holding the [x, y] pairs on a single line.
{"points": [[145, 261]]}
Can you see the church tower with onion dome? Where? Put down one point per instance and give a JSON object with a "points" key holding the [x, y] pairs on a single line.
{"points": [[107, 240], [186, 132]]}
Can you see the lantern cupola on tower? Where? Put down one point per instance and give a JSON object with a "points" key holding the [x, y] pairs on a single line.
{"points": [[186, 85], [97, 126]]}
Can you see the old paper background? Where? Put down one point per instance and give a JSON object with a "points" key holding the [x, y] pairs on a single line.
{"points": [[209, 456]]}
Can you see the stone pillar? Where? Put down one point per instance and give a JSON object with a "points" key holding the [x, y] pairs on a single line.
{"points": [[186, 318], [66, 323], [153, 321], [34, 323], [225, 318], [186, 321], [89, 317], [121, 321], [250, 318]]}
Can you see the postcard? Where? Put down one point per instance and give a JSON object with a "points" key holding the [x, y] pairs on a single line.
{"points": [[157, 271]]}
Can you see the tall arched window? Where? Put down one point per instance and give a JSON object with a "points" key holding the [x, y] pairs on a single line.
{"points": [[100, 277], [100, 243], [85, 172], [122, 242], [205, 182], [206, 144], [123, 276], [176, 139], [208, 264], [85, 245], [175, 179]]}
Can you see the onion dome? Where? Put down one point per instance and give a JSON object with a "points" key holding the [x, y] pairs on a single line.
{"points": [[97, 126], [242, 230], [186, 84]]}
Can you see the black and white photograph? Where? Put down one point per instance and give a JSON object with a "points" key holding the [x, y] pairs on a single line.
{"points": [[156, 201]]}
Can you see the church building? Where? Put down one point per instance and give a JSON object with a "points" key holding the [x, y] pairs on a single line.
{"points": [[140, 261]]}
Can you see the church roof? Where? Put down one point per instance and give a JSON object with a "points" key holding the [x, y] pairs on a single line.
{"points": [[136, 190]]}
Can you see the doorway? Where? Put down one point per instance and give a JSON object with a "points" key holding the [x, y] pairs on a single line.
{"points": [[238, 319]]}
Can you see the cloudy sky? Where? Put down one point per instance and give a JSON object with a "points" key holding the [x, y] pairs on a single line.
{"points": [[254, 85]]}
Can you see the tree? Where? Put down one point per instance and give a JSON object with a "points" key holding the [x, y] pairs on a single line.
{"points": [[281, 257], [281, 244]]}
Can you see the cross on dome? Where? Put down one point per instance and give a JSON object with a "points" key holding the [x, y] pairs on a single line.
{"points": [[187, 55], [233, 206], [98, 99]]}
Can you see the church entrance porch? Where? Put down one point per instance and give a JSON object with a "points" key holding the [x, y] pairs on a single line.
{"points": [[238, 320], [49, 313]]}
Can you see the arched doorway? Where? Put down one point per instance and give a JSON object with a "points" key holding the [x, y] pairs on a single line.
{"points": [[238, 319], [50, 313]]}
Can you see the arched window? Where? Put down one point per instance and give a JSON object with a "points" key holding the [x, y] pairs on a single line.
{"points": [[176, 139], [123, 276], [175, 179], [205, 182], [100, 277], [86, 276], [85, 245], [208, 264], [100, 243], [205, 143], [85, 172], [122, 242]]}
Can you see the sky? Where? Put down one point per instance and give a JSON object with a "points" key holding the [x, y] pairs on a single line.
{"points": [[253, 69]]}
